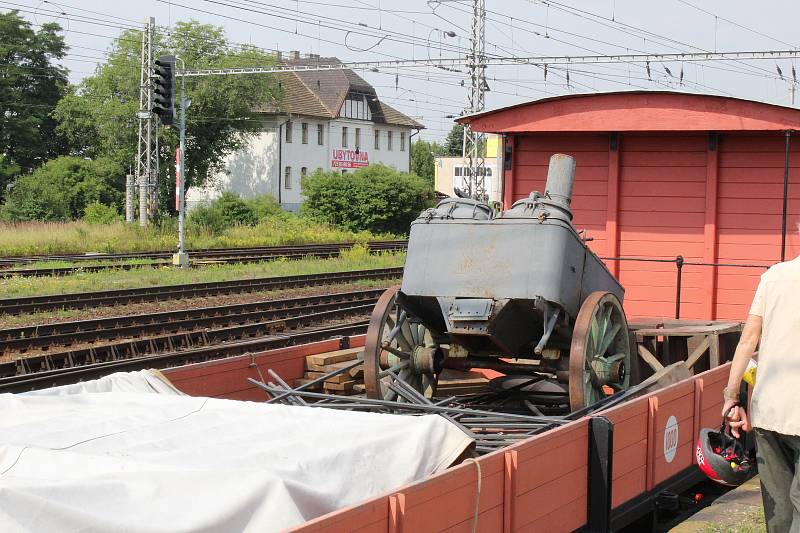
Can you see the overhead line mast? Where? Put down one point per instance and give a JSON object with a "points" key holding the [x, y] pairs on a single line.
{"points": [[147, 149], [476, 101]]}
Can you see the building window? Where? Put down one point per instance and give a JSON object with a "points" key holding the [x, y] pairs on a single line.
{"points": [[319, 169], [287, 178], [389, 140], [344, 136], [304, 132], [320, 137], [356, 106], [303, 171], [358, 138], [288, 131], [458, 172], [402, 141], [377, 139], [488, 171]]}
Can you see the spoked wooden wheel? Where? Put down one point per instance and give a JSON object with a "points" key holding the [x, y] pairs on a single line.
{"points": [[600, 354], [397, 342]]}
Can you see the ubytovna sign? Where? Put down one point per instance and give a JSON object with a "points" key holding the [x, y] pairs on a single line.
{"points": [[349, 159]]}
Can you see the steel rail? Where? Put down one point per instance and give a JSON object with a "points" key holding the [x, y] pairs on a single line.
{"points": [[177, 341], [15, 306], [204, 252], [198, 259], [61, 334], [68, 376]]}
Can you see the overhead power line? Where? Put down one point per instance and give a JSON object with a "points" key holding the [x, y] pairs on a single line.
{"points": [[502, 60]]}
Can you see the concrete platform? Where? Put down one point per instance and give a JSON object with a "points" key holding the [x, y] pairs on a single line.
{"points": [[736, 510]]}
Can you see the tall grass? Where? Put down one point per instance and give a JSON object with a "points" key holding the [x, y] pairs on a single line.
{"points": [[357, 258], [45, 238]]}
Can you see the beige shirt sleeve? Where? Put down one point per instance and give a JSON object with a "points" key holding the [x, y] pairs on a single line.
{"points": [[757, 308]]}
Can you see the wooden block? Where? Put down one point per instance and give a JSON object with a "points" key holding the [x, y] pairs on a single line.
{"points": [[355, 371], [343, 392], [359, 388], [333, 357], [338, 378], [299, 382], [347, 385]]}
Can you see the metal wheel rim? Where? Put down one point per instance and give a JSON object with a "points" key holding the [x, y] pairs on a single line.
{"points": [[599, 315], [410, 335]]}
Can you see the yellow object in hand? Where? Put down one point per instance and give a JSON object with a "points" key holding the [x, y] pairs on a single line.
{"points": [[749, 376]]}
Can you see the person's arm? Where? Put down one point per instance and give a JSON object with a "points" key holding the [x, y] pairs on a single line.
{"points": [[751, 335]]}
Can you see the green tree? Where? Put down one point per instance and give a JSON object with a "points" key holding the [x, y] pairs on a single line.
{"points": [[423, 163], [98, 116], [376, 198], [226, 211], [63, 188], [454, 142], [31, 83]]}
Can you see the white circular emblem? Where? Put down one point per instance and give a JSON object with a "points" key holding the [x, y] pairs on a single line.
{"points": [[670, 439]]}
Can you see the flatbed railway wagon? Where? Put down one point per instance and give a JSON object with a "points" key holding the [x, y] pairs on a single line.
{"points": [[601, 472]]}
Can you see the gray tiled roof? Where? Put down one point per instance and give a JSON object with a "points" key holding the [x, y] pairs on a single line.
{"points": [[321, 93]]}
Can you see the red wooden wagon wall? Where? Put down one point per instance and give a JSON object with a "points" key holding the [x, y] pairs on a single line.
{"points": [[661, 175], [540, 485]]}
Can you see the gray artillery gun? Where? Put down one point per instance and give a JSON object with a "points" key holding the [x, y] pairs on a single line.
{"points": [[517, 291]]}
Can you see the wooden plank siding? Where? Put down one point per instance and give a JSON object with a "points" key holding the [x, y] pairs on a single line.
{"points": [[751, 170], [227, 378], [661, 195], [590, 192], [662, 205], [538, 485], [541, 484]]}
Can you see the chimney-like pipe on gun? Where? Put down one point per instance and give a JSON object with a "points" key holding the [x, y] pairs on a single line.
{"points": [[560, 178]]}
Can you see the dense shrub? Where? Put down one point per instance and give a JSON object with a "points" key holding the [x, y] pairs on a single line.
{"points": [[226, 211], [376, 198], [62, 188], [265, 206], [97, 213]]}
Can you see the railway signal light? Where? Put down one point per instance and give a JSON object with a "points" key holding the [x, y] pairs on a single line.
{"points": [[163, 81]]}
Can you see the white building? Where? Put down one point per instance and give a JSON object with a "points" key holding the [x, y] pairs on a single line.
{"points": [[330, 120], [452, 174]]}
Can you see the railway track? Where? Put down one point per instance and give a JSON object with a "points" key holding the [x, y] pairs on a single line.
{"points": [[16, 306], [66, 375], [173, 336], [208, 256], [123, 336]]}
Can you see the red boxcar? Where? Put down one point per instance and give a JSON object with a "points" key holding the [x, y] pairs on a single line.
{"points": [[662, 175]]}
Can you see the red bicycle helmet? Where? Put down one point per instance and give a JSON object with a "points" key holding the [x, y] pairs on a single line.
{"points": [[723, 458]]}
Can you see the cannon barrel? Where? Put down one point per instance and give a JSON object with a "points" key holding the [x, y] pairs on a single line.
{"points": [[560, 178]]}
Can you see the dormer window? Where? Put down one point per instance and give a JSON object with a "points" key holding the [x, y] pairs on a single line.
{"points": [[356, 105]]}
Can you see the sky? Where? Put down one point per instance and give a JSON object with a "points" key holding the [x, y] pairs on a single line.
{"points": [[372, 30]]}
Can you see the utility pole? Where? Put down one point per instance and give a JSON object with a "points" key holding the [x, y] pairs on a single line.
{"points": [[180, 197], [147, 150], [476, 65]]}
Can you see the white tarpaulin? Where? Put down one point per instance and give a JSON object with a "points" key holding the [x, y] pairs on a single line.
{"points": [[133, 461]]}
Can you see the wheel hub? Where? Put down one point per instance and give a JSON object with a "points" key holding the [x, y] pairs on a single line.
{"points": [[606, 371], [427, 360]]}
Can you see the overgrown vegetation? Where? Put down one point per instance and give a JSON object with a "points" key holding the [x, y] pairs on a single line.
{"points": [[376, 198], [356, 259], [273, 227], [62, 188], [423, 162], [31, 84], [229, 210]]}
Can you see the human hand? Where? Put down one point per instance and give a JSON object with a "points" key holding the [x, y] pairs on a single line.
{"points": [[737, 419]]}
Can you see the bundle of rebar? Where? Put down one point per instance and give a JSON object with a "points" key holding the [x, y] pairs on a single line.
{"points": [[490, 428]]}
